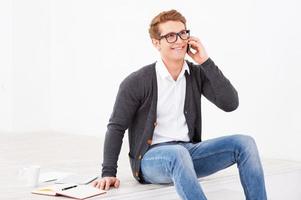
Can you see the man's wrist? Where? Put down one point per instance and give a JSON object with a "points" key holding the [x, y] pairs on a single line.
{"points": [[108, 174], [201, 61]]}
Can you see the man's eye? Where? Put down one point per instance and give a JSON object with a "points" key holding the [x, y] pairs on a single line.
{"points": [[170, 35], [183, 32]]}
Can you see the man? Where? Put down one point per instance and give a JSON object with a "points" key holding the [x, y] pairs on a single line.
{"points": [[160, 105]]}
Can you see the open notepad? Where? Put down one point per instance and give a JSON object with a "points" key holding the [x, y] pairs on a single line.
{"points": [[69, 190]]}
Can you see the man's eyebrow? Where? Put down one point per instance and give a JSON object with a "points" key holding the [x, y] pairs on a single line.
{"points": [[174, 32]]}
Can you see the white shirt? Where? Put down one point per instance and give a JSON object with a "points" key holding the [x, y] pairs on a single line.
{"points": [[171, 122]]}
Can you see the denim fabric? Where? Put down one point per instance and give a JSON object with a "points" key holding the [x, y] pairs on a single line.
{"points": [[182, 163]]}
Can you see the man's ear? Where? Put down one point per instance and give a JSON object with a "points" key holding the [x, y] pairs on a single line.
{"points": [[156, 44]]}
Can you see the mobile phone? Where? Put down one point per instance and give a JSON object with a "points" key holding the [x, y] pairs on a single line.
{"points": [[188, 48]]}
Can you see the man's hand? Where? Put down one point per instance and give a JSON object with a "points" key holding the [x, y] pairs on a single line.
{"points": [[105, 183], [200, 54]]}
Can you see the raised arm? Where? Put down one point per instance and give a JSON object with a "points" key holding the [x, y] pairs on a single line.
{"points": [[212, 83]]}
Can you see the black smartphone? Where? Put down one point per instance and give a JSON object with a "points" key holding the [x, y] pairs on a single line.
{"points": [[188, 48]]}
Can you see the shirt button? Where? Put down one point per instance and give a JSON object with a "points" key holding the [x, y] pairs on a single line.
{"points": [[185, 112], [136, 174], [155, 124], [139, 157], [149, 141]]}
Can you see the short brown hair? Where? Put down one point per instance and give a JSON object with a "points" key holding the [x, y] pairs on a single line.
{"points": [[171, 15]]}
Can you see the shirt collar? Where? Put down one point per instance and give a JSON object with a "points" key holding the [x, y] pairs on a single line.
{"points": [[163, 72]]}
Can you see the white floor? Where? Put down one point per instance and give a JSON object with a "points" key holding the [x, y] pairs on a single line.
{"points": [[82, 155]]}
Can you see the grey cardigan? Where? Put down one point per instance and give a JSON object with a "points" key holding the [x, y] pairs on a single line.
{"points": [[136, 105]]}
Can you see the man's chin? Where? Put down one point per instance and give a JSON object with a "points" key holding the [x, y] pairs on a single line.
{"points": [[174, 58], [178, 58]]}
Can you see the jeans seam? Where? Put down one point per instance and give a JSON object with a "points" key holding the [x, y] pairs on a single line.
{"points": [[245, 185], [157, 158]]}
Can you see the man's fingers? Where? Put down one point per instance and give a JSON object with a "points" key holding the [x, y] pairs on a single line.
{"points": [[94, 183], [108, 184], [195, 45], [98, 184], [192, 38], [117, 183], [102, 184], [193, 53], [190, 53]]}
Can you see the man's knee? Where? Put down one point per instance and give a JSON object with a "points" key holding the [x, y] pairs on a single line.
{"points": [[245, 142], [178, 156], [178, 151]]}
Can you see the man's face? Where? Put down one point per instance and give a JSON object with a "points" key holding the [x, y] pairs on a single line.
{"points": [[171, 51]]}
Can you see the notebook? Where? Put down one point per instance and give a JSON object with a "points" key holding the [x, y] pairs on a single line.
{"points": [[69, 190]]}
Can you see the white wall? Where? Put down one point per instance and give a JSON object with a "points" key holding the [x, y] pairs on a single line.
{"points": [[25, 85], [5, 64], [63, 61]]}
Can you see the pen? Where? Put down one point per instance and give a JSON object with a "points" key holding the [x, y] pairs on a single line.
{"points": [[67, 188]]}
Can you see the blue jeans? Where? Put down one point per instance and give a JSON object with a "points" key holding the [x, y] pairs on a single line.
{"points": [[183, 163]]}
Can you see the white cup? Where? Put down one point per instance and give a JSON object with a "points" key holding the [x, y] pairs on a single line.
{"points": [[31, 175]]}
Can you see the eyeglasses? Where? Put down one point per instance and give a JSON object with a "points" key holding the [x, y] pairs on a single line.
{"points": [[173, 37]]}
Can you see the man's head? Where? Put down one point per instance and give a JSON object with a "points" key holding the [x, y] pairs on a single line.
{"points": [[169, 35]]}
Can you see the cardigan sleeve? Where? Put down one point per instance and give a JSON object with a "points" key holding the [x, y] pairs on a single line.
{"points": [[126, 104], [216, 87]]}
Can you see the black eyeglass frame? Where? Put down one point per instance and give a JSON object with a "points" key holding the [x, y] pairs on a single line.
{"points": [[177, 35]]}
